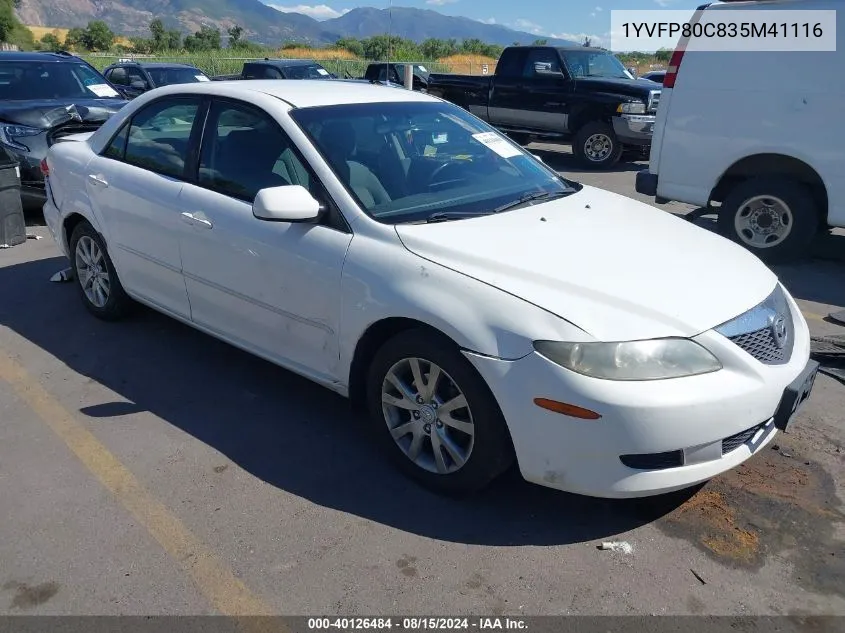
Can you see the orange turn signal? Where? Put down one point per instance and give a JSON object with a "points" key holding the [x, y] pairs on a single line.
{"points": [[566, 409]]}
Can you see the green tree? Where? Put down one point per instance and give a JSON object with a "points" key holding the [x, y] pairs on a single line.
{"points": [[206, 39], [541, 42], [663, 55], [141, 45], [98, 36], [75, 38], [352, 45], [50, 42], [235, 33], [434, 48]]}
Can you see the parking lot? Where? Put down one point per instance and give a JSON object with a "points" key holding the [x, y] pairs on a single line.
{"points": [[146, 468]]}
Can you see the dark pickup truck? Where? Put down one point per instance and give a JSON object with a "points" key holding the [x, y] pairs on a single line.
{"points": [[279, 69], [580, 95]]}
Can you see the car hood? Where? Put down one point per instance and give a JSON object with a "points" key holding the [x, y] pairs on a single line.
{"points": [[616, 268], [628, 87], [52, 112]]}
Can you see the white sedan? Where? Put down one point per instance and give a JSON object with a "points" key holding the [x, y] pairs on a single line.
{"points": [[400, 251]]}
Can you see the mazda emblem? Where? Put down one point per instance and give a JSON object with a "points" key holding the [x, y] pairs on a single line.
{"points": [[779, 332]]}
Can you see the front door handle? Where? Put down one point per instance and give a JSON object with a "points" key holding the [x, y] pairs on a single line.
{"points": [[98, 180], [190, 218]]}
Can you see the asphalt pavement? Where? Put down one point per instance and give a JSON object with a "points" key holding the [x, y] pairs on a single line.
{"points": [[146, 468]]}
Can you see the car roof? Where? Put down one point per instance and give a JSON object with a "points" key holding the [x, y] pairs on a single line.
{"points": [[155, 64], [283, 62], [303, 93], [39, 56]]}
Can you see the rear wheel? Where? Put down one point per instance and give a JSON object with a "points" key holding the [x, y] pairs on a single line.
{"points": [[596, 146], [775, 219], [434, 416], [96, 277]]}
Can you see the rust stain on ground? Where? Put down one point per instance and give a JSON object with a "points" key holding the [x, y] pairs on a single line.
{"points": [[771, 503]]}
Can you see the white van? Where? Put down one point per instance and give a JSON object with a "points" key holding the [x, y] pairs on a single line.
{"points": [[757, 136]]}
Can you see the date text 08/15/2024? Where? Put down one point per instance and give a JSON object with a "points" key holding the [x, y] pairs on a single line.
{"points": [[415, 624]]}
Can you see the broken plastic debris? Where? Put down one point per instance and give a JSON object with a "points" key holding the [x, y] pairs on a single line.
{"points": [[63, 276], [617, 546]]}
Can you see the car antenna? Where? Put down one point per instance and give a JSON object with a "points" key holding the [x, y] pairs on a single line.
{"points": [[389, 39]]}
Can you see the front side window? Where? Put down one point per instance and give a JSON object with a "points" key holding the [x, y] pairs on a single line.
{"points": [[405, 162], [245, 150], [594, 64], [33, 80], [159, 136], [170, 76]]}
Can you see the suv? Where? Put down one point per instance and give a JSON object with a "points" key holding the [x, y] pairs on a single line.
{"points": [[764, 153], [45, 97], [136, 78]]}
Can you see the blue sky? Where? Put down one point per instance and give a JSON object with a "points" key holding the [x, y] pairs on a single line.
{"points": [[568, 19]]}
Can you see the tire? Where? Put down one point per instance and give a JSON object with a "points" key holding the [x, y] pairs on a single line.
{"points": [[587, 136], [789, 225], [488, 450], [117, 304]]}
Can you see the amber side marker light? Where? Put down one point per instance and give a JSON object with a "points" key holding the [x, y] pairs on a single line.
{"points": [[566, 409]]}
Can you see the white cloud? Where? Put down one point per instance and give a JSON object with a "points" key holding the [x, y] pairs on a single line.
{"points": [[489, 21], [598, 9], [665, 3], [316, 11], [439, 3], [536, 29]]}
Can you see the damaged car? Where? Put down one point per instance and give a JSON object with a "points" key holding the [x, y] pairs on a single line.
{"points": [[46, 98]]}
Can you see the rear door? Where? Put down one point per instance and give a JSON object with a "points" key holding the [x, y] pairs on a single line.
{"points": [[135, 185], [507, 98]]}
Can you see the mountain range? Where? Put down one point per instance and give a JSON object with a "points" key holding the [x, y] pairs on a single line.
{"points": [[262, 23]]}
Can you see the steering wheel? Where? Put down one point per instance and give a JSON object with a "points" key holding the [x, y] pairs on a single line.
{"points": [[432, 180]]}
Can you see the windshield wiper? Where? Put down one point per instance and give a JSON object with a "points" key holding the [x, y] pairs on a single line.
{"points": [[445, 216], [532, 197]]}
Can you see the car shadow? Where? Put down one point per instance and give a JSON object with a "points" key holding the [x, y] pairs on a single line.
{"points": [[818, 277], [283, 429], [560, 160]]}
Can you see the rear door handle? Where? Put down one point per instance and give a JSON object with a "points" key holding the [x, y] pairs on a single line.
{"points": [[98, 180], [190, 218]]}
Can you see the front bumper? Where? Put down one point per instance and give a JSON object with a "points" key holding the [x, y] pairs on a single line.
{"points": [[634, 129], [717, 420]]}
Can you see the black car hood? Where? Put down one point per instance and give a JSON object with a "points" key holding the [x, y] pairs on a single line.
{"points": [[631, 87], [49, 113]]}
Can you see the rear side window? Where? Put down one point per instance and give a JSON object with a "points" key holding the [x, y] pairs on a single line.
{"points": [[117, 148], [159, 136], [511, 63]]}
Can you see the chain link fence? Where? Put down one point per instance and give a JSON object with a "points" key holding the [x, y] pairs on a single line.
{"points": [[213, 65]]}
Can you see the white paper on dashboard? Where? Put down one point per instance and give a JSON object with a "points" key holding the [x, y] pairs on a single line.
{"points": [[103, 90], [323, 72], [496, 143], [201, 77]]}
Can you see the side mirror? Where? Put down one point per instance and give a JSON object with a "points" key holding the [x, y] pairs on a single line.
{"points": [[138, 85], [544, 69], [291, 203]]}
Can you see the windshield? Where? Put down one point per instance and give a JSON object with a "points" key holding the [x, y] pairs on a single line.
{"points": [[594, 64], [311, 71], [404, 162], [27, 80], [169, 76]]}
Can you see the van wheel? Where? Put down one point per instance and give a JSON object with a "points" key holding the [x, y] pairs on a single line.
{"points": [[775, 219], [596, 146], [96, 277], [434, 415]]}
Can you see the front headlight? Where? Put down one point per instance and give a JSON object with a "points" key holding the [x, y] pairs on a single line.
{"points": [[656, 359], [8, 134], [634, 107]]}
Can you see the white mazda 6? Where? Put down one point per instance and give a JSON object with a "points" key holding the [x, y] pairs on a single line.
{"points": [[396, 249]]}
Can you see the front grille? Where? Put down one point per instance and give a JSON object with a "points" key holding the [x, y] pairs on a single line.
{"points": [[735, 441], [766, 332], [653, 100], [654, 461], [56, 134], [762, 346]]}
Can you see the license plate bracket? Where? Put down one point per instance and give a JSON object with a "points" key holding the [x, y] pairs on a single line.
{"points": [[794, 397]]}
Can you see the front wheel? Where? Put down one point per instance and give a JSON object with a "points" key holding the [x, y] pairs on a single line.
{"points": [[776, 219], [596, 146], [435, 416]]}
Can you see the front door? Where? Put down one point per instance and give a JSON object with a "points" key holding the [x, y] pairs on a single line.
{"points": [[270, 287], [134, 186]]}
